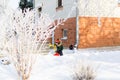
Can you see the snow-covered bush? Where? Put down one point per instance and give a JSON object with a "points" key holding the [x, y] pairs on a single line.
{"points": [[27, 35], [83, 72]]}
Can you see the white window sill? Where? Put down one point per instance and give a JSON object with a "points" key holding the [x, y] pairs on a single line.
{"points": [[64, 38]]}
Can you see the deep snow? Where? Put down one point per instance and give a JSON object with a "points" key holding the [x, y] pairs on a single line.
{"points": [[105, 61]]}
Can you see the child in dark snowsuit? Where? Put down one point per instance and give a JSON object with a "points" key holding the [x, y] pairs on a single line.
{"points": [[59, 47]]}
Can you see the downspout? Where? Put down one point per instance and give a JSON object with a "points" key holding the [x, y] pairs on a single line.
{"points": [[77, 25], [53, 37]]}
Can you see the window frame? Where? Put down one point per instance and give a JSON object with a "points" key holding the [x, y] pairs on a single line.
{"points": [[64, 33]]}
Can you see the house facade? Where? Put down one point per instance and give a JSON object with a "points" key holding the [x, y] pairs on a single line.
{"points": [[93, 24]]}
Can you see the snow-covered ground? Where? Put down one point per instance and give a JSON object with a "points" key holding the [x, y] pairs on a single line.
{"points": [[106, 62]]}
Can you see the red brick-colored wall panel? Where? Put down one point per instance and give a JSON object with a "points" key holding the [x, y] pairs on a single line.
{"points": [[93, 35]]}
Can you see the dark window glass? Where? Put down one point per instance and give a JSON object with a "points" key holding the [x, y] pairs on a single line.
{"points": [[59, 3]]}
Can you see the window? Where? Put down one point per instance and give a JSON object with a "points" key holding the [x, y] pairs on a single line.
{"points": [[59, 3], [65, 33]]}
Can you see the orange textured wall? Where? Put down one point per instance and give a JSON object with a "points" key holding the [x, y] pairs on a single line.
{"points": [[93, 35]]}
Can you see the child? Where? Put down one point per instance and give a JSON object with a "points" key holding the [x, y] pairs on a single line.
{"points": [[59, 47]]}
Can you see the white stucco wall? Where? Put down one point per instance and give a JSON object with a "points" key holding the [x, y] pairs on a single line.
{"points": [[14, 4], [49, 6], [100, 8], [4, 3]]}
